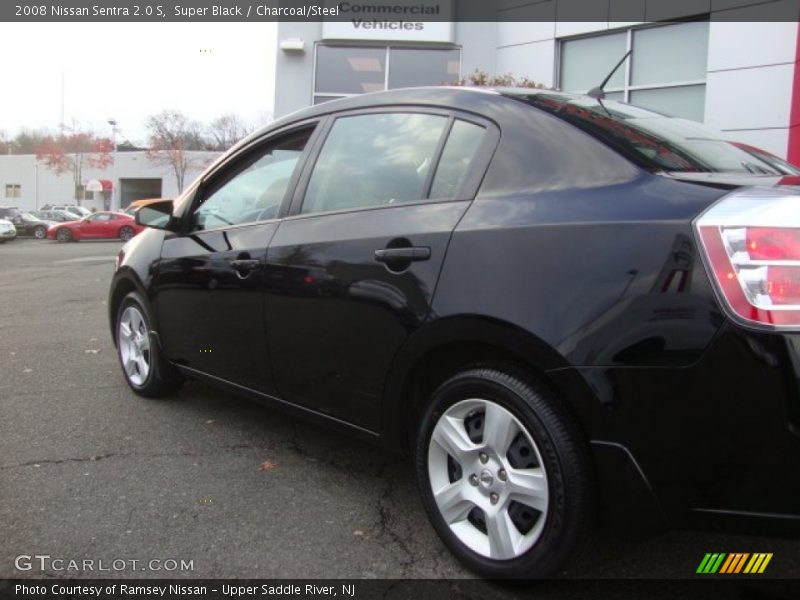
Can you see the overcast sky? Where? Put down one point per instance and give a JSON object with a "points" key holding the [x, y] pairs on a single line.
{"points": [[128, 71]]}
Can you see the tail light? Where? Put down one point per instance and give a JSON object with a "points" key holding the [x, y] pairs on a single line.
{"points": [[751, 241]]}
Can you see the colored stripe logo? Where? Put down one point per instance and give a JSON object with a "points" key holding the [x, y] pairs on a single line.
{"points": [[734, 563]]}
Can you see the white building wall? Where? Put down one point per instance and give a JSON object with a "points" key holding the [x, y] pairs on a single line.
{"points": [[750, 70], [40, 186]]}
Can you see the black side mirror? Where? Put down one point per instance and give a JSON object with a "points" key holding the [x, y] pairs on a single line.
{"points": [[157, 215]]}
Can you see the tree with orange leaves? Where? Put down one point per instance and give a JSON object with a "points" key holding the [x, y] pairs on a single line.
{"points": [[72, 151]]}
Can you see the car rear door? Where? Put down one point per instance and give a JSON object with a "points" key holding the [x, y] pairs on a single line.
{"points": [[352, 270], [209, 284]]}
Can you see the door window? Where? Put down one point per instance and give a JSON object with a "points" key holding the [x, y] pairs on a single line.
{"points": [[374, 159], [255, 190]]}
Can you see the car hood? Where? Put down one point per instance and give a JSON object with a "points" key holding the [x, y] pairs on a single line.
{"points": [[735, 180]]}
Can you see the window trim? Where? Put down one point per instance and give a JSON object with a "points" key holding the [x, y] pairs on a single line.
{"points": [[469, 187], [388, 47], [629, 31]]}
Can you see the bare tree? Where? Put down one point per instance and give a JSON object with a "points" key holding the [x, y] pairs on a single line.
{"points": [[5, 144], [171, 136], [226, 130], [27, 141]]}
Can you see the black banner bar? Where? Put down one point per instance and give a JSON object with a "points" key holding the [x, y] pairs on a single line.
{"points": [[104, 11], [343, 589]]}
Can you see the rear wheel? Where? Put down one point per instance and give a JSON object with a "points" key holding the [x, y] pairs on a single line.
{"points": [[64, 235], [125, 233], [39, 233], [145, 371], [504, 474]]}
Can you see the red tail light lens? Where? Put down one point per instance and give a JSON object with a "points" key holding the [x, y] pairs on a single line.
{"points": [[783, 285], [751, 240], [773, 243]]}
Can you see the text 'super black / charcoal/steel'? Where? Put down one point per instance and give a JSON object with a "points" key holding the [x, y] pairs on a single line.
{"points": [[563, 309]]}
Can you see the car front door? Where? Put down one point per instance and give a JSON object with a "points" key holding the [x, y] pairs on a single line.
{"points": [[93, 226], [209, 283], [352, 271]]}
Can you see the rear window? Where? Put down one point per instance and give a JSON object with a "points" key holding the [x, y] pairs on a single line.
{"points": [[653, 141]]}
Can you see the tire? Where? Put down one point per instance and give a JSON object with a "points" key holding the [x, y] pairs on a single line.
{"points": [[64, 235], [40, 233], [145, 371], [518, 513], [125, 233]]}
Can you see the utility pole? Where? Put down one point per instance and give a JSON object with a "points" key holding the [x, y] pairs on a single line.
{"points": [[114, 203]]}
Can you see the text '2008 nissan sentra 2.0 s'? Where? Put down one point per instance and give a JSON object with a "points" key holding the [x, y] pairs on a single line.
{"points": [[562, 308]]}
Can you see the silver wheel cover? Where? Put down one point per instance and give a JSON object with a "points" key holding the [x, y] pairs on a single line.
{"points": [[134, 345], [488, 480]]}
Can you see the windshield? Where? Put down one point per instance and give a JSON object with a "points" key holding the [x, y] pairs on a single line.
{"points": [[651, 140], [28, 217]]}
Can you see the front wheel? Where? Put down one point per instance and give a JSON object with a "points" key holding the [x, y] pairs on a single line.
{"points": [[504, 474], [144, 370], [125, 233], [64, 235], [40, 233]]}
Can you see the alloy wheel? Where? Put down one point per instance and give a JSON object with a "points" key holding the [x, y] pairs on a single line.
{"points": [[488, 479], [134, 345]]}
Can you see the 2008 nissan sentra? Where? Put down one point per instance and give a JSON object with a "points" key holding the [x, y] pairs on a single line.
{"points": [[564, 309]]}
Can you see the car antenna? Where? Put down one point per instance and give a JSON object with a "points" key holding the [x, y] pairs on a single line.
{"points": [[598, 92]]}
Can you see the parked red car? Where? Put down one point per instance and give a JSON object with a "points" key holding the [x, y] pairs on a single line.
{"points": [[100, 225]]}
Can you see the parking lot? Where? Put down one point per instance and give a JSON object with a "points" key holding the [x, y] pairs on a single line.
{"points": [[88, 470]]}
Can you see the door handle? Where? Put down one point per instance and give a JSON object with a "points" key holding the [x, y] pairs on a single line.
{"points": [[414, 253], [245, 266]]}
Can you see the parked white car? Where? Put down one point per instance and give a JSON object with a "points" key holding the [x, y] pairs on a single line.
{"points": [[7, 230], [79, 211]]}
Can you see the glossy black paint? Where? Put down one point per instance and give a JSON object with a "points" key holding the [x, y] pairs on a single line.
{"points": [[569, 262], [28, 225]]}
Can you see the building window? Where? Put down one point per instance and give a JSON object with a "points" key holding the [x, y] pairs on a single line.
{"points": [[13, 190], [665, 73], [342, 71]]}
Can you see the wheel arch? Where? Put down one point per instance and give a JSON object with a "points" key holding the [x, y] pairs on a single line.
{"points": [[125, 282], [449, 344]]}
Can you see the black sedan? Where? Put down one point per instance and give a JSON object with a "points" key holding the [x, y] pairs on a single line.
{"points": [[562, 308], [29, 226]]}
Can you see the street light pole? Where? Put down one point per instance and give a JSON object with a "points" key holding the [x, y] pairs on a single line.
{"points": [[114, 202]]}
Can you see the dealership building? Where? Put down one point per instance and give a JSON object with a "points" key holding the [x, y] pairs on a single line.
{"points": [[720, 65], [29, 184]]}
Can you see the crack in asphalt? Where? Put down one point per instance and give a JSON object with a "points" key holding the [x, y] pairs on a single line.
{"points": [[385, 528], [99, 457]]}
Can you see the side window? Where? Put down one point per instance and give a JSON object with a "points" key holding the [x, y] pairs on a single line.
{"points": [[100, 217], [375, 159], [254, 191], [459, 150]]}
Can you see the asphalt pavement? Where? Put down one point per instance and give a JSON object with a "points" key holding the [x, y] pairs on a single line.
{"points": [[90, 471]]}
